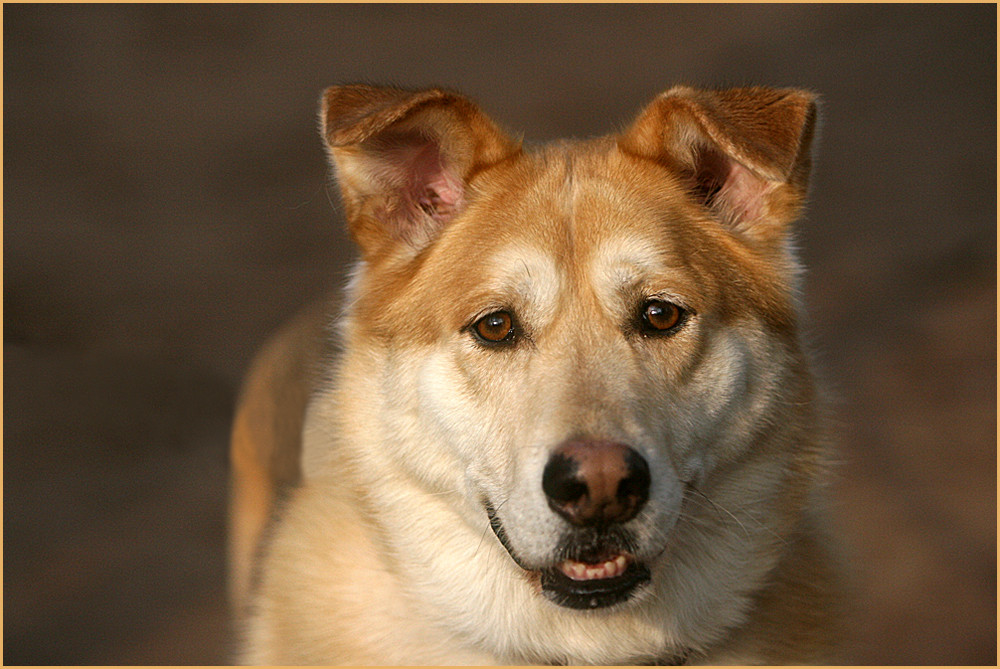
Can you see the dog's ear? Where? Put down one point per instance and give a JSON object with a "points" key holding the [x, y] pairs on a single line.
{"points": [[743, 152], [404, 159]]}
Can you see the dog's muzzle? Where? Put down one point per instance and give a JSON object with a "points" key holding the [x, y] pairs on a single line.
{"points": [[595, 487]]}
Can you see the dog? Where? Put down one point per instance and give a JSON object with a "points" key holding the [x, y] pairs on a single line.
{"points": [[564, 415]]}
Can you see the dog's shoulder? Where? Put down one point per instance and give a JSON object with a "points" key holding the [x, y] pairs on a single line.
{"points": [[265, 444]]}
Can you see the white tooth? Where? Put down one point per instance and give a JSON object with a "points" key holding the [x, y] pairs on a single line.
{"points": [[581, 571]]}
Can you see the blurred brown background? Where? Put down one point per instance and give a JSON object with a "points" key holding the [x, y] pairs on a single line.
{"points": [[166, 206]]}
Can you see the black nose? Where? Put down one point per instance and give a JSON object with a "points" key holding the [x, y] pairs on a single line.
{"points": [[594, 482]]}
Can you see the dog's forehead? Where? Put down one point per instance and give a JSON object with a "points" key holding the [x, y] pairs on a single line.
{"points": [[582, 209]]}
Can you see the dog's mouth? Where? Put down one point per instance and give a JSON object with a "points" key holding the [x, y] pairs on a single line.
{"points": [[602, 577], [582, 585]]}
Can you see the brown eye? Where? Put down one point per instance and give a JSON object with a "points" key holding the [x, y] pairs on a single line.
{"points": [[661, 316], [495, 328]]}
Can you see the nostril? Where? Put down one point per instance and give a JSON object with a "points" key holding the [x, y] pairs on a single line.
{"points": [[591, 482], [635, 485], [559, 480]]}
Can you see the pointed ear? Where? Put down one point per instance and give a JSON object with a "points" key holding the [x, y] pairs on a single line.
{"points": [[404, 159], [744, 152]]}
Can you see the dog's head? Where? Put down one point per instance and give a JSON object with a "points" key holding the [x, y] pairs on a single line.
{"points": [[594, 341]]}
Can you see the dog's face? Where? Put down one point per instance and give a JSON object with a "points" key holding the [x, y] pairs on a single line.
{"points": [[587, 339]]}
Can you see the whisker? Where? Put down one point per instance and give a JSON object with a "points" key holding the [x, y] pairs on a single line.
{"points": [[732, 515], [445, 492]]}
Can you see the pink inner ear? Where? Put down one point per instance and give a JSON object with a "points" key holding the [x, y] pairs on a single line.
{"points": [[434, 189], [729, 188], [742, 195], [420, 191]]}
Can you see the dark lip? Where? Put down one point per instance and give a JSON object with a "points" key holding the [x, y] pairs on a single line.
{"points": [[498, 530], [583, 594]]}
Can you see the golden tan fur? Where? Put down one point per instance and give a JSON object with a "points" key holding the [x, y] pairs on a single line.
{"points": [[266, 442], [418, 431]]}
